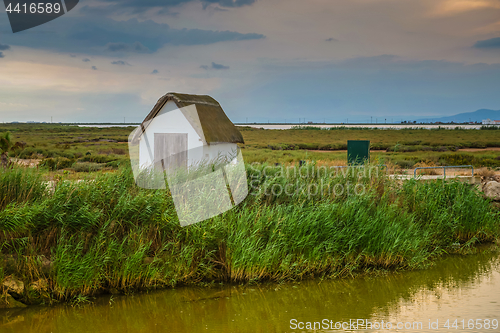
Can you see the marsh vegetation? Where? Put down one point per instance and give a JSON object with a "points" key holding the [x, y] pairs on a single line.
{"points": [[108, 235], [105, 234], [88, 149]]}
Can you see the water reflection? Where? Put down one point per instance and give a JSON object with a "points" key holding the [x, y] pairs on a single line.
{"points": [[459, 286]]}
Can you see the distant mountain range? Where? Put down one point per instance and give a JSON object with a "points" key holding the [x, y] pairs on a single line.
{"points": [[478, 115]]}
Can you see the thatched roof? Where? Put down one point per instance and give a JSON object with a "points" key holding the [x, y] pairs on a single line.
{"points": [[213, 125]]}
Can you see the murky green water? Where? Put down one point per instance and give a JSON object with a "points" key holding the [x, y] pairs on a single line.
{"points": [[459, 287]]}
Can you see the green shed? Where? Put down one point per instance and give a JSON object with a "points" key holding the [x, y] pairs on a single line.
{"points": [[358, 152]]}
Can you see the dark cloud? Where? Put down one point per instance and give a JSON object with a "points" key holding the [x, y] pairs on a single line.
{"points": [[228, 3], [115, 47], [370, 62], [94, 68], [121, 63], [1, 55], [143, 5], [493, 43], [4, 47], [86, 60], [72, 55], [331, 39], [214, 66], [168, 11], [94, 34], [124, 47], [155, 71], [219, 66]]}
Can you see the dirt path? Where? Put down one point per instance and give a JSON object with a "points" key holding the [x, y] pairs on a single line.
{"points": [[480, 149], [26, 162]]}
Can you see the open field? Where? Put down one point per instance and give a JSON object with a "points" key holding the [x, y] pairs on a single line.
{"points": [[404, 148], [57, 147], [83, 149], [336, 138], [402, 160]]}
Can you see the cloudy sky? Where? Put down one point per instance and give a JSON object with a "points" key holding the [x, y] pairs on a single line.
{"points": [[263, 60]]}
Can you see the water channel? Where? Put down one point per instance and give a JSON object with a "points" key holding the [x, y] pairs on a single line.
{"points": [[456, 288]]}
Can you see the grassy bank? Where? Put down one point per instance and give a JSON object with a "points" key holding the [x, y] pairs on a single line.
{"points": [[108, 235]]}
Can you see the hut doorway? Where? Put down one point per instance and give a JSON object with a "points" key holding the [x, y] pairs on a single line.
{"points": [[171, 150]]}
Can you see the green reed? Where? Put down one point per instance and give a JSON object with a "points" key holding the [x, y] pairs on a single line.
{"points": [[105, 234]]}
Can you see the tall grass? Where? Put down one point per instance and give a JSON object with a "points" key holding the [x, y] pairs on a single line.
{"points": [[20, 185], [108, 234]]}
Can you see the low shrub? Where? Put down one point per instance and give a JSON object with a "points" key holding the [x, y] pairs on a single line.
{"points": [[457, 159], [308, 146], [116, 151], [411, 143], [98, 158], [57, 163], [405, 164], [88, 166], [31, 152], [489, 127], [413, 148], [119, 151], [477, 145], [309, 128], [378, 146], [493, 144], [402, 148], [115, 164]]}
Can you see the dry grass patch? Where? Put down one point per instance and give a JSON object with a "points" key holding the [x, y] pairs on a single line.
{"points": [[427, 164]]}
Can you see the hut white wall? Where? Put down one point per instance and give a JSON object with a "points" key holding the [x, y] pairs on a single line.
{"points": [[169, 120], [220, 150]]}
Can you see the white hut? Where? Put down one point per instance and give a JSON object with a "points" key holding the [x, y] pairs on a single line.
{"points": [[184, 130], [190, 132]]}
